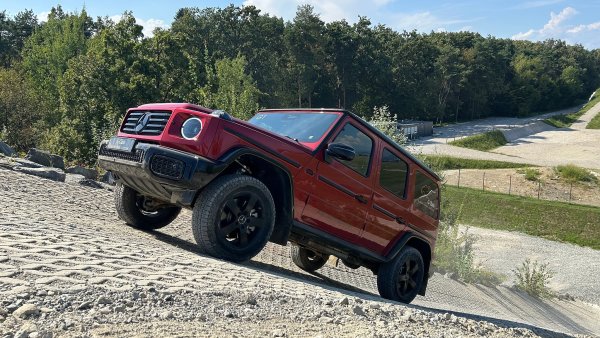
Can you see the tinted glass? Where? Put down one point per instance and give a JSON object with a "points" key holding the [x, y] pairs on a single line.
{"points": [[426, 195], [362, 145], [304, 127], [393, 174]]}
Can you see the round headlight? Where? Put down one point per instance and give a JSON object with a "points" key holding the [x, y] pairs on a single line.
{"points": [[191, 128]]}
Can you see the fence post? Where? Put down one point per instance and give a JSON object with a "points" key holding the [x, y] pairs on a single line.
{"points": [[570, 192], [459, 177], [539, 188], [483, 182], [509, 183]]}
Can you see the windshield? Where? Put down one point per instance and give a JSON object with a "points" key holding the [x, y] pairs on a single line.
{"points": [[300, 126]]}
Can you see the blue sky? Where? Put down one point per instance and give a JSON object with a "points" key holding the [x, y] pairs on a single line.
{"points": [[576, 21]]}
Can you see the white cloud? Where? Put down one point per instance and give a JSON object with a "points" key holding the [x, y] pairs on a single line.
{"points": [[350, 10], [148, 25], [537, 4], [43, 16], [559, 27], [424, 22], [329, 10]]}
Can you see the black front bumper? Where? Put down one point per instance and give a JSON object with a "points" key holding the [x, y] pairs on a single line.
{"points": [[171, 175]]}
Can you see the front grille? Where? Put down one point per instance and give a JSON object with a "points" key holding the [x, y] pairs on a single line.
{"points": [[167, 167], [135, 156], [157, 120]]}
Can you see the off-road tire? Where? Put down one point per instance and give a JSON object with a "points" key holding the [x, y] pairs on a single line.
{"points": [[306, 259], [211, 221], [128, 209], [391, 276]]}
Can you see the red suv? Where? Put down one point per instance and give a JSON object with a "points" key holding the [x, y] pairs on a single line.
{"points": [[322, 179]]}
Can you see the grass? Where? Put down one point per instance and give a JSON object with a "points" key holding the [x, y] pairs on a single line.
{"points": [[533, 278], [563, 121], [566, 120], [595, 122], [484, 142], [531, 174], [577, 224], [442, 162], [573, 174]]}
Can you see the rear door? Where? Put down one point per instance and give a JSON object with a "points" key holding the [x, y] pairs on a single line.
{"points": [[390, 212], [341, 191]]}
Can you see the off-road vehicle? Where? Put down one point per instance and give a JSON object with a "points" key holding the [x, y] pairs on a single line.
{"points": [[322, 179]]}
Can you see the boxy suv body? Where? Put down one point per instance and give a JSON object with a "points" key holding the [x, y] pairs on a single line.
{"points": [[322, 179]]}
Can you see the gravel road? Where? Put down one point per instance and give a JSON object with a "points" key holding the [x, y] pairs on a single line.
{"points": [[553, 147], [69, 267]]}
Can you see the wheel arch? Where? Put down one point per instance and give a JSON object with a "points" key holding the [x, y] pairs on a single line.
{"points": [[275, 176], [424, 248]]}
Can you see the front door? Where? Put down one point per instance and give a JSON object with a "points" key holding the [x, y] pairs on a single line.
{"points": [[341, 192]]}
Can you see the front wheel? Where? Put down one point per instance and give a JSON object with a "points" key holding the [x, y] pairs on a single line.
{"points": [[141, 211], [306, 259], [234, 217], [401, 278]]}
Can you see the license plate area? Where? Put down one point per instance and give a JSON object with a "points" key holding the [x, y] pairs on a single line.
{"points": [[121, 144]]}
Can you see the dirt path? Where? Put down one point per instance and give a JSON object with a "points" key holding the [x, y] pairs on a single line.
{"points": [[62, 248], [575, 145]]}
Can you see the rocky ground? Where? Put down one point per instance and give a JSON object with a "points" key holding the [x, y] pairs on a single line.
{"points": [[69, 267]]}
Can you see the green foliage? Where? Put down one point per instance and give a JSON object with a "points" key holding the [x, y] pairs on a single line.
{"points": [[454, 252], [387, 123], [483, 142], [443, 162], [563, 120], [78, 73], [533, 278], [572, 173], [531, 174], [594, 100], [230, 89], [18, 111], [577, 224]]}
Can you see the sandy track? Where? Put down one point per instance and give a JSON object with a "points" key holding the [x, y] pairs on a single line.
{"points": [[66, 238]]}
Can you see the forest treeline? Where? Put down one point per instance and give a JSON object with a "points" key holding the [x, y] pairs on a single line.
{"points": [[66, 83]]}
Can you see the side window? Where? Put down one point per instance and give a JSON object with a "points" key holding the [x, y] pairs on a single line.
{"points": [[393, 174], [362, 144], [427, 196]]}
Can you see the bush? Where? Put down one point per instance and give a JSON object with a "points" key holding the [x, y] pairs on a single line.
{"points": [[533, 278], [572, 173], [454, 253], [387, 123], [483, 142], [530, 174]]}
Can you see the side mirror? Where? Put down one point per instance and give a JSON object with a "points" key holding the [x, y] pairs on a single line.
{"points": [[340, 151]]}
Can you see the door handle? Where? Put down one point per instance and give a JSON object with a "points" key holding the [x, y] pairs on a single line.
{"points": [[361, 199], [400, 220]]}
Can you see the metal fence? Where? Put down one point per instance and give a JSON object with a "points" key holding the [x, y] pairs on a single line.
{"points": [[553, 190]]}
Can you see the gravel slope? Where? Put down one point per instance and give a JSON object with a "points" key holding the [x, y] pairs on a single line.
{"points": [[577, 269], [68, 267]]}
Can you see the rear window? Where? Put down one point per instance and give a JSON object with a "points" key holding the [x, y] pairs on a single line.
{"points": [[393, 174], [427, 196]]}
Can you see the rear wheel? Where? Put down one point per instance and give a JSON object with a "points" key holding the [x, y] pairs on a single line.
{"points": [[234, 217], [401, 278], [141, 211], [306, 259]]}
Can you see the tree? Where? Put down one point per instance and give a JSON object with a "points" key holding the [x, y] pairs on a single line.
{"points": [[231, 89]]}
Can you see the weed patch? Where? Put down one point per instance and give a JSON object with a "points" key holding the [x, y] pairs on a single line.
{"points": [[483, 142], [533, 278]]}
